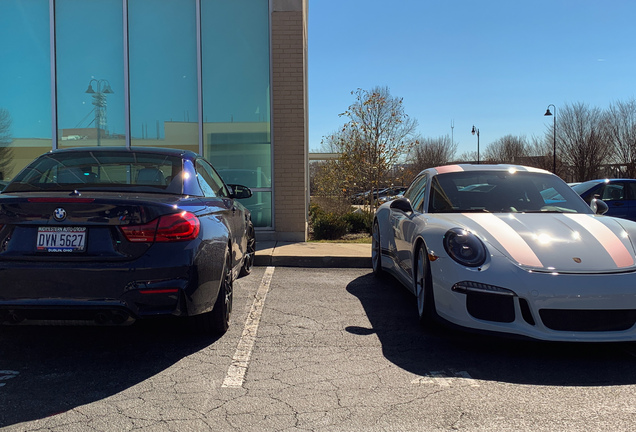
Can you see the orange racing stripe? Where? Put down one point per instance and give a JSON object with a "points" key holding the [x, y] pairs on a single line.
{"points": [[510, 239], [448, 168], [610, 241]]}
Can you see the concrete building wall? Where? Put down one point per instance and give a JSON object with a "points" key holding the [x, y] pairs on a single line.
{"points": [[289, 114]]}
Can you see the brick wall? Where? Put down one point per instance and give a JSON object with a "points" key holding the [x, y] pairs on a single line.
{"points": [[289, 113]]}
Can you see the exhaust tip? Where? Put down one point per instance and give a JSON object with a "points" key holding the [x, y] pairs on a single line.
{"points": [[102, 318], [15, 317], [119, 317]]}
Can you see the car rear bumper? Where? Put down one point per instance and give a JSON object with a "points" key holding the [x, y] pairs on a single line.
{"points": [[108, 300], [105, 293]]}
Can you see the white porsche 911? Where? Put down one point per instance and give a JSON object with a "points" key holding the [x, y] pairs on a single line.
{"points": [[510, 249]]}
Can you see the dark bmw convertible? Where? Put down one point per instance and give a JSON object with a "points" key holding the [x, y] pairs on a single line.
{"points": [[109, 235]]}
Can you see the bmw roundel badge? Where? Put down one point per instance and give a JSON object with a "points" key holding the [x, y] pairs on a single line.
{"points": [[59, 214]]}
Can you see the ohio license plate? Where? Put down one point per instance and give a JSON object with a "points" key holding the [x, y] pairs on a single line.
{"points": [[61, 239]]}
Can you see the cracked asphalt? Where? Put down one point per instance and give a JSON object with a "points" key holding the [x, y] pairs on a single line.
{"points": [[335, 350]]}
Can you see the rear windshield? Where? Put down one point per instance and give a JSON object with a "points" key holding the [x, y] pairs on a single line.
{"points": [[126, 171]]}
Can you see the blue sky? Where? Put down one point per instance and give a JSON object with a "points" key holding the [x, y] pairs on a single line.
{"points": [[494, 64]]}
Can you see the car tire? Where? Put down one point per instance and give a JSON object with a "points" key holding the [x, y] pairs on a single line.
{"points": [[376, 250], [248, 261], [423, 286], [217, 321]]}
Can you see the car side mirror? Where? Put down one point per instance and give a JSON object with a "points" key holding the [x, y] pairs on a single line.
{"points": [[598, 206], [239, 191], [402, 204]]}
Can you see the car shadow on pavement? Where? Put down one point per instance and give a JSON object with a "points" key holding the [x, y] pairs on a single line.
{"points": [[442, 351], [48, 370]]}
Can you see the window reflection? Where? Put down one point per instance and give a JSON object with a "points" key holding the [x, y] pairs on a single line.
{"points": [[163, 82], [260, 204], [90, 78], [25, 84], [163, 73], [236, 101]]}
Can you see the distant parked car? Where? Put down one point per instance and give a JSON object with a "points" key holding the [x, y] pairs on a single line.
{"points": [[391, 193], [618, 194]]}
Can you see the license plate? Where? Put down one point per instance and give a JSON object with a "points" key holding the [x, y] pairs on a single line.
{"points": [[61, 239]]}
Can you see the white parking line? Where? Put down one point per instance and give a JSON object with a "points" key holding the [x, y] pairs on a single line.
{"points": [[236, 372], [447, 379]]}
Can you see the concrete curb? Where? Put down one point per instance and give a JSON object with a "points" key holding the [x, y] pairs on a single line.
{"points": [[313, 255]]}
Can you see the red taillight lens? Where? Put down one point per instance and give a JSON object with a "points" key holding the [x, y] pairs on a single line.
{"points": [[141, 233], [175, 227]]}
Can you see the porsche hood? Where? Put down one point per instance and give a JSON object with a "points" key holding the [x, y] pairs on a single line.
{"points": [[562, 243]]}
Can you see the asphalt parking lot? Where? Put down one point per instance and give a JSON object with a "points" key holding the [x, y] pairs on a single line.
{"points": [[309, 350]]}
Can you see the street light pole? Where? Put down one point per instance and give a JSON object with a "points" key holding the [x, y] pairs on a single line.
{"points": [[99, 101], [476, 131], [548, 113]]}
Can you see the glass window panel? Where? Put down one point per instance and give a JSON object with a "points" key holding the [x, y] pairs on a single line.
{"points": [[260, 204], [90, 73], [209, 181], [163, 73], [25, 84], [236, 96]]}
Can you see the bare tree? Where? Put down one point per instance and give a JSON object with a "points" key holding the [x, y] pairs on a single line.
{"points": [[539, 153], [432, 152], [581, 143], [5, 141], [377, 136], [620, 124], [509, 149], [467, 157]]}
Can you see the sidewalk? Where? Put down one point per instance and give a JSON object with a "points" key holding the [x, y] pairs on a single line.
{"points": [[329, 255]]}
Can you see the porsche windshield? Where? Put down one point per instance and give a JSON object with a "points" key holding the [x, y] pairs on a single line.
{"points": [[107, 171], [503, 192]]}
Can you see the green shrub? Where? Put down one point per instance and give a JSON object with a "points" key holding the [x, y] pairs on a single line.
{"points": [[360, 222], [329, 226], [315, 211]]}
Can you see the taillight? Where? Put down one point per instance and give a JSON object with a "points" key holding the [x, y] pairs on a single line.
{"points": [[174, 227], [178, 226]]}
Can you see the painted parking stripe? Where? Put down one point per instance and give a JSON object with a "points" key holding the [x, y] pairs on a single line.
{"points": [[236, 373], [509, 239], [450, 378], [610, 241]]}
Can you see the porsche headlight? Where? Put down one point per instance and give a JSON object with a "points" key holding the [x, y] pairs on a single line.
{"points": [[464, 247]]}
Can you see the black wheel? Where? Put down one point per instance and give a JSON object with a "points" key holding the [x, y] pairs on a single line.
{"points": [[376, 250], [248, 261], [217, 321], [423, 286]]}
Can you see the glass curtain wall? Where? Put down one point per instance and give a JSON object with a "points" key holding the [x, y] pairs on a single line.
{"points": [[166, 61], [25, 84], [163, 73], [90, 73], [236, 101]]}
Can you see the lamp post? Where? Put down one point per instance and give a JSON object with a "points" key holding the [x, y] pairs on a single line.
{"points": [[548, 113], [99, 101], [476, 131]]}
